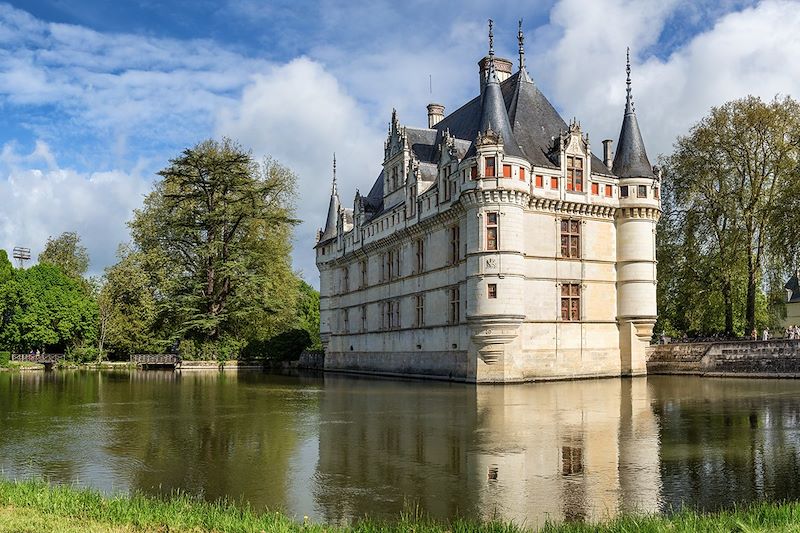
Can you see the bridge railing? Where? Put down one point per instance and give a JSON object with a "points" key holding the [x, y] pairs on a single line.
{"points": [[44, 358]]}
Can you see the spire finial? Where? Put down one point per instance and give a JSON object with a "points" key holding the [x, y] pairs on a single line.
{"points": [[334, 172], [521, 40], [491, 39], [629, 98]]}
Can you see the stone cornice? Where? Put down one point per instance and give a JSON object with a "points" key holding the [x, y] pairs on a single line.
{"points": [[652, 213], [475, 197], [558, 206]]}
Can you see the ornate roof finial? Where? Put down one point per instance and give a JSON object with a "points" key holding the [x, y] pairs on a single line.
{"points": [[334, 171], [491, 39], [521, 41], [629, 98]]}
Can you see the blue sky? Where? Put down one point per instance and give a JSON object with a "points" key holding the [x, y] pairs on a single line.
{"points": [[96, 96]]}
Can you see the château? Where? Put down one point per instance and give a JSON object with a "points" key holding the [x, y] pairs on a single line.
{"points": [[494, 246]]}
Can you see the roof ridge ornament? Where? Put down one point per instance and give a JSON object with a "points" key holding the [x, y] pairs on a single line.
{"points": [[333, 190], [491, 76], [523, 73], [629, 107]]}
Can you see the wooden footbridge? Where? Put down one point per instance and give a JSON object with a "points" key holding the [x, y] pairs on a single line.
{"points": [[148, 360], [46, 359]]}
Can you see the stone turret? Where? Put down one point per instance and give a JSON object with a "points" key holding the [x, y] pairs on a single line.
{"points": [[636, 220], [334, 205]]}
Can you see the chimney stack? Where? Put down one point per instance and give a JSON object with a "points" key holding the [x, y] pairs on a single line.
{"points": [[607, 158], [502, 68], [435, 114]]}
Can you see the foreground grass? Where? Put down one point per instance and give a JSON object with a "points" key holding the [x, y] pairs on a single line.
{"points": [[34, 506]]}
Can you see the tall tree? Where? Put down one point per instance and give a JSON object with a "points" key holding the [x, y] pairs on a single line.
{"points": [[67, 253], [733, 176], [219, 223]]}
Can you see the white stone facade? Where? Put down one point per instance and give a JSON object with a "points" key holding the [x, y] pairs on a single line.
{"points": [[479, 265]]}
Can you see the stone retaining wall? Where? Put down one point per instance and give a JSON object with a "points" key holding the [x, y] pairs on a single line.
{"points": [[775, 358]]}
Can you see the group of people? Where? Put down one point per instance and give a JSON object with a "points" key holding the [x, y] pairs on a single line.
{"points": [[790, 333]]}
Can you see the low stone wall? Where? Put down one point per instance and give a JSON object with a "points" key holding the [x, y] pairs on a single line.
{"points": [[314, 360], [775, 358]]}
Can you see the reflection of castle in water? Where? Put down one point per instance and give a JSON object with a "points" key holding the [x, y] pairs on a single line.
{"points": [[553, 450]]}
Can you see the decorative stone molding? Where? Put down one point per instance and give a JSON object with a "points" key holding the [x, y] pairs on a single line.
{"points": [[652, 213], [477, 197], [564, 207], [491, 333]]}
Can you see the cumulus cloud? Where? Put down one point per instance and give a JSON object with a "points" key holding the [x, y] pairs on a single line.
{"points": [[744, 51], [299, 114], [41, 199]]}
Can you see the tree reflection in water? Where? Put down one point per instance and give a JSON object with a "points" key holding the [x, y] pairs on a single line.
{"points": [[339, 447]]}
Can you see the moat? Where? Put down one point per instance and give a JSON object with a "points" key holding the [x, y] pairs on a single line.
{"points": [[335, 447]]}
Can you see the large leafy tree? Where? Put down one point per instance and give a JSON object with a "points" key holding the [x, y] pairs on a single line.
{"points": [[67, 253], [127, 305], [46, 309], [730, 215], [218, 225]]}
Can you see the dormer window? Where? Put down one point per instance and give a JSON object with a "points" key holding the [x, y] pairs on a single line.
{"points": [[642, 191], [574, 173], [489, 173]]}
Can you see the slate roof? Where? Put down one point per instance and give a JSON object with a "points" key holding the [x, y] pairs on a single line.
{"points": [[631, 161], [535, 127], [333, 212]]}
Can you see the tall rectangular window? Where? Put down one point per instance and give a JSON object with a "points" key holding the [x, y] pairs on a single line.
{"points": [[491, 290], [454, 317], [419, 304], [570, 302], [473, 172], [363, 319], [363, 268], [539, 180], [574, 173], [595, 188], [571, 238], [521, 174], [396, 316], [609, 191], [554, 183], [506, 171], [345, 322], [491, 231], [455, 245], [396, 268], [623, 191], [420, 255], [642, 191], [345, 279], [489, 173]]}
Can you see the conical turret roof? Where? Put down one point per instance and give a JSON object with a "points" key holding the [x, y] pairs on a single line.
{"points": [[333, 209], [494, 115], [631, 158]]}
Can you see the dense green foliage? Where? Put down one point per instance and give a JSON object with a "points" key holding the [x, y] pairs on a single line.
{"points": [[66, 252], [37, 506], [44, 308], [727, 240], [5, 358], [208, 273]]}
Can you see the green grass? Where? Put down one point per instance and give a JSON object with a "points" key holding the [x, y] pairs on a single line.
{"points": [[37, 506]]}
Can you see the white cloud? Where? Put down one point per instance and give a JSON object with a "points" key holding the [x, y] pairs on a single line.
{"points": [[41, 200], [299, 114], [743, 52]]}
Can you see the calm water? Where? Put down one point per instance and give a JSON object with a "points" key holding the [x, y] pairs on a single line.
{"points": [[336, 448]]}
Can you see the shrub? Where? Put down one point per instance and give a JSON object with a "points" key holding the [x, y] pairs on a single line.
{"points": [[286, 346], [82, 355], [5, 357]]}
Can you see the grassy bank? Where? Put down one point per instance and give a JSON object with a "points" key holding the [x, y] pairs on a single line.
{"points": [[35, 506]]}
